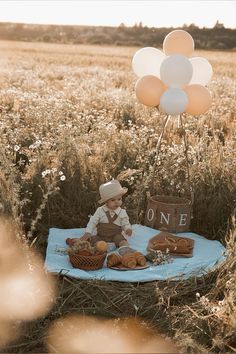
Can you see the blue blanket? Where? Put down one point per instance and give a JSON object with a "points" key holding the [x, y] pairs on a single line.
{"points": [[207, 255]]}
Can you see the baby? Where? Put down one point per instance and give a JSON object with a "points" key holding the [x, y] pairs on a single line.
{"points": [[110, 219]]}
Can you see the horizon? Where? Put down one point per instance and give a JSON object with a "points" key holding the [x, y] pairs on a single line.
{"points": [[156, 14], [128, 26]]}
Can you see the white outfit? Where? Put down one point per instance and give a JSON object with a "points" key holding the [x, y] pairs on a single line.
{"points": [[100, 216]]}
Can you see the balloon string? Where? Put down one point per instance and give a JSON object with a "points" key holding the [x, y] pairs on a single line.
{"points": [[178, 123], [187, 160], [157, 152]]}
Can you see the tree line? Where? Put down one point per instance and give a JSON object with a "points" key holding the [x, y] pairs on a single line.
{"points": [[217, 37]]}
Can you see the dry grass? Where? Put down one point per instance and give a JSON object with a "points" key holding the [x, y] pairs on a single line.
{"points": [[69, 120]]}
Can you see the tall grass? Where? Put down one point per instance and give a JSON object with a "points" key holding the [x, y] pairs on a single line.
{"points": [[69, 120], [72, 110]]}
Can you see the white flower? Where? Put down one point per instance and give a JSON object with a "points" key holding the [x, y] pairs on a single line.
{"points": [[62, 178], [16, 148], [215, 309], [36, 144], [46, 172]]}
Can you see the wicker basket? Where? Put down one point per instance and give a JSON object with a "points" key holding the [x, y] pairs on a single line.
{"points": [[168, 213], [87, 262]]}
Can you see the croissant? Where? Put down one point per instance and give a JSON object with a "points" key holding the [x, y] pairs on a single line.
{"points": [[129, 260], [113, 260], [140, 258]]}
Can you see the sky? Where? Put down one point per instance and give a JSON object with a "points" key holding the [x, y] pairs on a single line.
{"points": [[152, 13]]}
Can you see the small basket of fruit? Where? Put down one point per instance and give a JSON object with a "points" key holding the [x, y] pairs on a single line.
{"points": [[85, 256]]}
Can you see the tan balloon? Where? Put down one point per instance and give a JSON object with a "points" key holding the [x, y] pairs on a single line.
{"points": [[178, 42], [149, 89], [199, 99]]}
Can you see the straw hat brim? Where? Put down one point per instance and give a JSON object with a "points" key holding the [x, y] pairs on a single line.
{"points": [[122, 192]]}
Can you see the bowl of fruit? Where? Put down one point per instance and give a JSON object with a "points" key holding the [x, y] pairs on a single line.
{"points": [[85, 256]]}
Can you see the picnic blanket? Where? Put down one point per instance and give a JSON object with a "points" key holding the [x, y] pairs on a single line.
{"points": [[207, 255]]}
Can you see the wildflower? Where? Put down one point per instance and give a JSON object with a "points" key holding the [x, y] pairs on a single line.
{"points": [[46, 172], [36, 144], [215, 309], [204, 300], [62, 178]]}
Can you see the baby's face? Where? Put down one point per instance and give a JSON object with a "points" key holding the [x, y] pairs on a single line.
{"points": [[114, 203]]}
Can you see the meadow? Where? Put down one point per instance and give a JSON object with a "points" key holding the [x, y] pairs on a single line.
{"points": [[69, 121]]}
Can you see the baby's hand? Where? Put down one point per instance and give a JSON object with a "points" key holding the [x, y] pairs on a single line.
{"points": [[128, 232], [86, 237]]}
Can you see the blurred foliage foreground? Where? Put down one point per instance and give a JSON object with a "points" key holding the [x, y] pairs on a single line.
{"points": [[69, 121]]}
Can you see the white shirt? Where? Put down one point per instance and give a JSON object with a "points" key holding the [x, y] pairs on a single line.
{"points": [[100, 216]]}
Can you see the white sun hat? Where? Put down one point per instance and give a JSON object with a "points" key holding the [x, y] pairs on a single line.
{"points": [[110, 190]]}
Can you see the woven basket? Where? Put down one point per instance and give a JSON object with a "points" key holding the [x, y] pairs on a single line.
{"points": [[168, 213], [87, 262]]}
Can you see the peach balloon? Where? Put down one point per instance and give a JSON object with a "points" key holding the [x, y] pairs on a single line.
{"points": [[199, 99], [178, 42], [149, 89]]}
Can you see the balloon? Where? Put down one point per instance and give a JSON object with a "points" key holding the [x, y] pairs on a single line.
{"points": [[173, 101], [202, 71], [176, 70], [149, 89], [178, 42], [147, 61], [199, 99]]}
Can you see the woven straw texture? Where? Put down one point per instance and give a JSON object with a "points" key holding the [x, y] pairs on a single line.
{"points": [[87, 262]]}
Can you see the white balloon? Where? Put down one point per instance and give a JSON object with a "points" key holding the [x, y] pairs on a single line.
{"points": [[176, 71], [173, 101], [202, 71], [147, 61]]}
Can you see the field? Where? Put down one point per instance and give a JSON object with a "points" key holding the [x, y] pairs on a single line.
{"points": [[69, 120]]}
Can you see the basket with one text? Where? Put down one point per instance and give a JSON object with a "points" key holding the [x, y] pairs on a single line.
{"points": [[167, 213]]}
